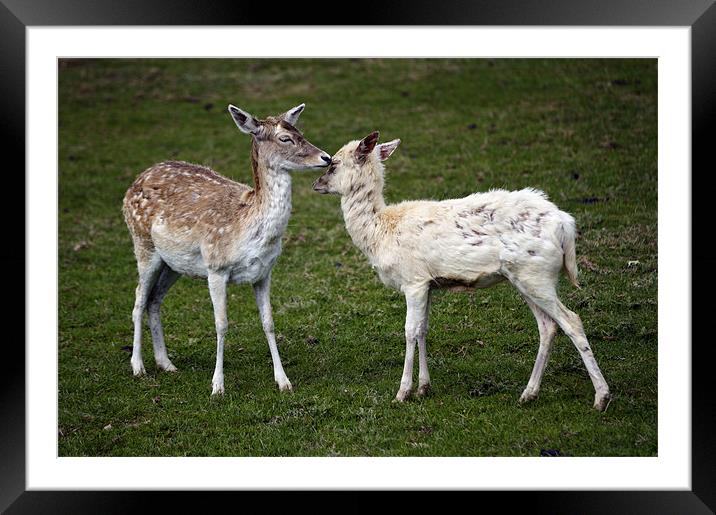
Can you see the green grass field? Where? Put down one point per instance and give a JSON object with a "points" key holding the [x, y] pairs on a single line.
{"points": [[584, 131]]}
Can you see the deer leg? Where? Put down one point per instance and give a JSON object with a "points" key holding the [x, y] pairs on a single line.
{"points": [[544, 295], [424, 375], [571, 324], [262, 290], [416, 301], [167, 277], [547, 331], [217, 290], [148, 273]]}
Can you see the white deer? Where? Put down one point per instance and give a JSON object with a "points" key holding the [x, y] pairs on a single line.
{"points": [[460, 244], [186, 219]]}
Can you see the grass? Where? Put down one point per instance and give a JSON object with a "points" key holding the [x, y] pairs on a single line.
{"points": [[584, 131]]}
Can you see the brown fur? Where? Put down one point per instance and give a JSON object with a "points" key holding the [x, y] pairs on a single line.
{"points": [[186, 219], [197, 202], [189, 198], [392, 216], [460, 285]]}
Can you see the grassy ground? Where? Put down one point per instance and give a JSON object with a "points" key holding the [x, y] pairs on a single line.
{"points": [[584, 131]]}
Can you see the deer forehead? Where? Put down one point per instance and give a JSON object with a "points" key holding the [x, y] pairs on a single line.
{"points": [[347, 150], [283, 126], [273, 127]]}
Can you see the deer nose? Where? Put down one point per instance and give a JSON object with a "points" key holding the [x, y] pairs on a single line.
{"points": [[326, 158]]}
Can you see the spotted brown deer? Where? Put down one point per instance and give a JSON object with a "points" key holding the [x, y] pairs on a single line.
{"points": [[186, 219], [460, 244]]}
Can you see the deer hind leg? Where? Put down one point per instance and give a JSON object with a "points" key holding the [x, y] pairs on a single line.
{"points": [[167, 277], [149, 265], [571, 324], [547, 331], [540, 288]]}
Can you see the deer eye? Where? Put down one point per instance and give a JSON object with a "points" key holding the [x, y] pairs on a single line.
{"points": [[285, 139]]}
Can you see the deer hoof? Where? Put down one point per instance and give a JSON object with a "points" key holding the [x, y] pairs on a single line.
{"points": [[402, 395], [167, 367], [601, 402], [528, 395], [138, 369], [285, 386], [423, 390]]}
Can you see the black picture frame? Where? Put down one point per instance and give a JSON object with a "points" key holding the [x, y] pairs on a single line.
{"points": [[699, 15]]}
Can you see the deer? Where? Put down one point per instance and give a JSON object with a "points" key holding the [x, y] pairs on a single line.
{"points": [[186, 219], [460, 244]]}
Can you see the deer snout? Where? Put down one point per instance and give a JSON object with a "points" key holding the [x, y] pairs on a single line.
{"points": [[320, 159]]}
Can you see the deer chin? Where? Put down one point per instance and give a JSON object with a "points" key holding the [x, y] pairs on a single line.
{"points": [[320, 188]]}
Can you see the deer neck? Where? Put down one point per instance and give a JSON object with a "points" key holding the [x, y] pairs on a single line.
{"points": [[272, 187], [361, 208]]}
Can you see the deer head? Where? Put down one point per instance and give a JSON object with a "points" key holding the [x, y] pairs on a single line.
{"points": [[356, 163], [278, 142]]}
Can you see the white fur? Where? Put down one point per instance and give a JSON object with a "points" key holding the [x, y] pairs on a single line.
{"points": [[466, 243]]}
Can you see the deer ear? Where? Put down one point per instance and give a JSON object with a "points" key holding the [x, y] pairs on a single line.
{"points": [[291, 116], [244, 121], [366, 146], [386, 149]]}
